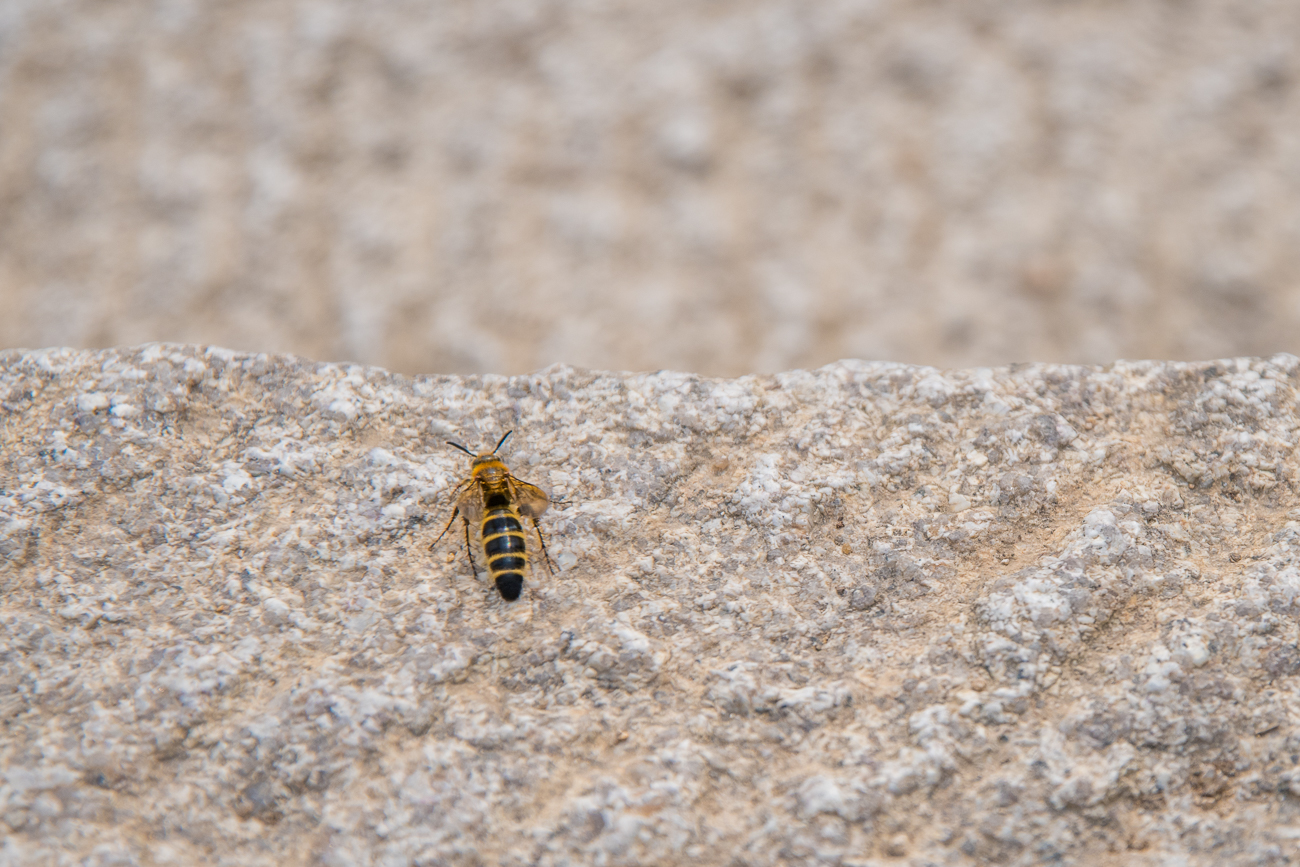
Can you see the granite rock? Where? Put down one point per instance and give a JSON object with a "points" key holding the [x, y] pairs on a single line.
{"points": [[865, 614]]}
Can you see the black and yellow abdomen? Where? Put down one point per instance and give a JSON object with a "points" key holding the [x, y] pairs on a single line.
{"points": [[503, 546]]}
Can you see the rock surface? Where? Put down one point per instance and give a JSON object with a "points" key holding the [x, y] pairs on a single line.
{"points": [[864, 614]]}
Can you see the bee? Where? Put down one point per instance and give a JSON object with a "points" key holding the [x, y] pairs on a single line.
{"points": [[495, 501]]}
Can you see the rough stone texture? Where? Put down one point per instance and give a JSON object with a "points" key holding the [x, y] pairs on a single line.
{"points": [[724, 187], [866, 614]]}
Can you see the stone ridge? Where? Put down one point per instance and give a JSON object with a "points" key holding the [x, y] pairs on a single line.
{"points": [[842, 616]]}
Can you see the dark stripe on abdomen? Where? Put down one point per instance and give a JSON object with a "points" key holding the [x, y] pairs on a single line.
{"points": [[507, 564], [502, 522], [503, 545]]}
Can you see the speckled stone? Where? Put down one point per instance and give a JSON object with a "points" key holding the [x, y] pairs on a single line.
{"points": [[866, 614]]}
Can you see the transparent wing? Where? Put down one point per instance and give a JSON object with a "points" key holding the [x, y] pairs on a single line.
{"points": [[529, 499], [471, 503]]}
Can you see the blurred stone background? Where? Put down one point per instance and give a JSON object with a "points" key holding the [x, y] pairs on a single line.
{"points": [[720, 187]]}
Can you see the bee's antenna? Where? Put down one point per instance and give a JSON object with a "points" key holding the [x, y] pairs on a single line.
{"points": [[461, 447], [503, 439]]}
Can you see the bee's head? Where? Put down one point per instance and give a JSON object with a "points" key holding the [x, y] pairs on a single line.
{"points": [[487, 463]]}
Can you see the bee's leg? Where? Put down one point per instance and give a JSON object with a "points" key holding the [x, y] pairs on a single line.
{"points": [[454, 513], [550, 567], [469, 551]]}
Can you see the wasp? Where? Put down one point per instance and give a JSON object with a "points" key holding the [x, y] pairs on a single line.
{"points": [[495, 501]]}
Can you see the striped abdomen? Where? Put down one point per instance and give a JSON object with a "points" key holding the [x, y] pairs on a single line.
{"points": [[503, 546]]}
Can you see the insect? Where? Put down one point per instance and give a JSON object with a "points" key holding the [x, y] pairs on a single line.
{"points": [[495, 501]]}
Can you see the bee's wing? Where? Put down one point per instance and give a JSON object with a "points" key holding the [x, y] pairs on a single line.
{"points": [[529, 499], [471, 503]]}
